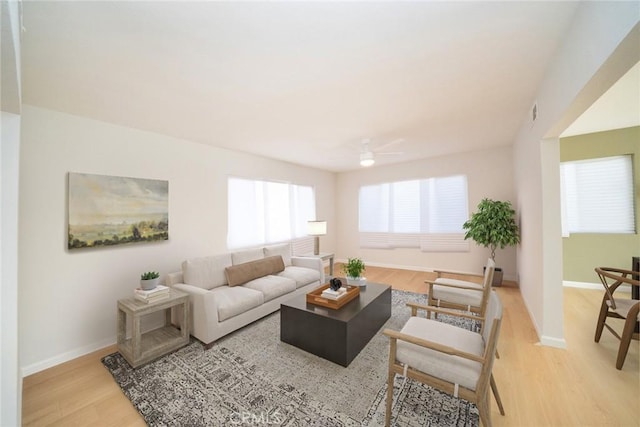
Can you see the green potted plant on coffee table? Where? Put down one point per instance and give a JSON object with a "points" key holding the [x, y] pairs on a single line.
{"points": [[493, 226], [353, 271]]}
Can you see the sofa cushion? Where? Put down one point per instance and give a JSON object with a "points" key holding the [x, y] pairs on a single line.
{"points": [[450, 368], [247, 255], [236, 300], [302, 275], [272, 286], [284, 250], [207, 272], [243, 273]]}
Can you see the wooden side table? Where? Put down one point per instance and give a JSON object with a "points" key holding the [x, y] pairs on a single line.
{"points": [[141, 348]]}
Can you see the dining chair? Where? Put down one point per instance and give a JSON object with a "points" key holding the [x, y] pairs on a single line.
{"points": [[618, 308]]}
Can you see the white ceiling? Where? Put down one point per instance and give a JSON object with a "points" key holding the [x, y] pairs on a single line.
{"points": [[303, 82]]}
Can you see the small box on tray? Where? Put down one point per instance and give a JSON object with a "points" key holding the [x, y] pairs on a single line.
{"points": [[331, 294]]}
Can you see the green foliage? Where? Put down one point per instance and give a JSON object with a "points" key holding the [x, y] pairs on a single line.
{"points": [[493, 225], [354, 267], [149, 275], [143, 231]]}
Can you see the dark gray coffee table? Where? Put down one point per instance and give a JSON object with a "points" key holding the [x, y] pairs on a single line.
{"points": [[336, 335]]}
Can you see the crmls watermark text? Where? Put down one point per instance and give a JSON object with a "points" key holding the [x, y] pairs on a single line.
{"points": [[261, 418]]}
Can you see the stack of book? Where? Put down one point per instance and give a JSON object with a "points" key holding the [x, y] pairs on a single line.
{"points": [[330, 294], [158, 293]]}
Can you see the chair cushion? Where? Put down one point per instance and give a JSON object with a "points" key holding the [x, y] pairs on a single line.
{"points": [[272, 286], [301, 275], [454, 369], [236, 300], [623, 306], [207, 272], [242, 273], [455, 295], [284, 250]]}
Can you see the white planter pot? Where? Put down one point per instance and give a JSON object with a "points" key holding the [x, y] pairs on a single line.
{"points": [[147, 285], [356, 281]]}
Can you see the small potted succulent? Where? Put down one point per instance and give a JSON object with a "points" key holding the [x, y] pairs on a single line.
{"points": [[353, 270], [149, 280]]}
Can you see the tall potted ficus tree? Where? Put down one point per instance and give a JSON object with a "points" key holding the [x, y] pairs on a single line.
{"points": [[493, 226]]}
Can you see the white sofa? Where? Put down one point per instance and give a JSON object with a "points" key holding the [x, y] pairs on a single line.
{"points": [[223, 300]]}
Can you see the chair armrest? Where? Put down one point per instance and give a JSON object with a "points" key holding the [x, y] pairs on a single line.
{"points": [[620, 278], [457, 273], [415, 307], [622, 271], [451, 285], [431, 345]]}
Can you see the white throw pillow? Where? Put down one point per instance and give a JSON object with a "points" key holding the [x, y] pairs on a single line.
{"points": [[207, 272], [247, 255], [284, 250]]}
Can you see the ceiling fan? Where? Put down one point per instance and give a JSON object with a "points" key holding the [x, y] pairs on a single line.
{"points": [[368, 153]]}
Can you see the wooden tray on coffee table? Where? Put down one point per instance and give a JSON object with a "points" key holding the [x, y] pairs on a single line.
{"points": [[315, 297]]}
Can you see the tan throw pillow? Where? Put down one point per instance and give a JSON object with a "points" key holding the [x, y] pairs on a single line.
{"points": [[247, 271]]}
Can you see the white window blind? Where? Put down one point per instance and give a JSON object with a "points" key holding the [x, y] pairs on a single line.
{"points": [[374, 208], [446, 202], [425, 213], [597, 195], [261, 212]]}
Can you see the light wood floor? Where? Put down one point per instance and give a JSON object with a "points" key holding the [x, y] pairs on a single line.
{"points": [[540, 386]]}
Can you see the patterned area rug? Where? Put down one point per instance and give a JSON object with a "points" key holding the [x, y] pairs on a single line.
{"points": [[251, 378]]}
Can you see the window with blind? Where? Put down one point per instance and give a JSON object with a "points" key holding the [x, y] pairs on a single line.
{"points": [[597, 195], [261, 212], [426, 214]]}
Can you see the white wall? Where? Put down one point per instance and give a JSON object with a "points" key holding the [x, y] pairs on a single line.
{"points": [[10, 379], [10, 99], [67, 301], [589, 57], [489, 174]]}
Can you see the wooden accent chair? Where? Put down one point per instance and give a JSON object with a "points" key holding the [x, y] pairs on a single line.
{"points": [[448, 358], [619, 308], [461, 294]]}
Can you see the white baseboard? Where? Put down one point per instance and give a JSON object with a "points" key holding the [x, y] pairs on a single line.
{"points": [[582, 285], [65, 357], [544, 339], [420, 268], [594, 286], [553, 342], [398, 267]]}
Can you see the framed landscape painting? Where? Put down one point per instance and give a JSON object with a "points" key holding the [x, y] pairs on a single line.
{"points": [[111, 210]]}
